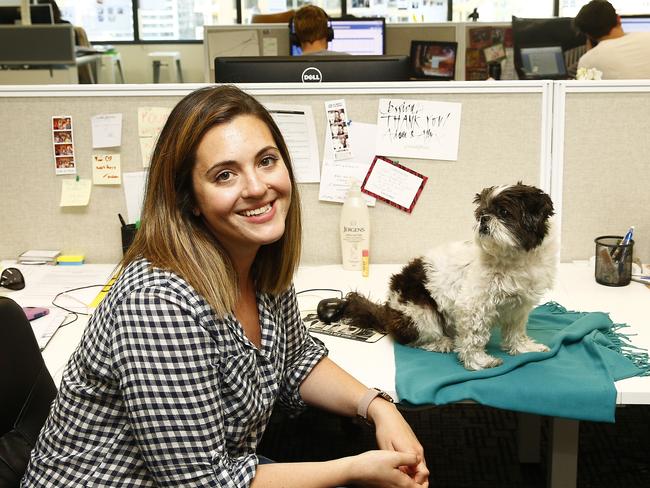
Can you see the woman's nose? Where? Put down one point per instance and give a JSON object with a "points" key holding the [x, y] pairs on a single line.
{"points": [[254, 186]]}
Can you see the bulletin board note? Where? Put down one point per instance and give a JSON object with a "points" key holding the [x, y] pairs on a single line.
{"points": [[106, 169], [418, 129], [75, 193]]}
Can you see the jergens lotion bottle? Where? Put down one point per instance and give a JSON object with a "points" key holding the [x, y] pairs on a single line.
{"points": [[355, 228]]}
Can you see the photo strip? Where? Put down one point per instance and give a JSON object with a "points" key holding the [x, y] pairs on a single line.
{"points": [[63, 145], [338, 129]]}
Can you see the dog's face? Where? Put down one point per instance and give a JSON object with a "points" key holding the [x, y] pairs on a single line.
{"points": [[512, 216]]}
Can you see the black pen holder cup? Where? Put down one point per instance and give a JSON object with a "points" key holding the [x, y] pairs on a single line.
{"points": [[128, 234], [613, 261]]}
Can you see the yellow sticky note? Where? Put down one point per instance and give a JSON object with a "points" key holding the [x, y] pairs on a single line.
{"points": [[107, 169], [75, 193], [146, 148], [151, 120]]}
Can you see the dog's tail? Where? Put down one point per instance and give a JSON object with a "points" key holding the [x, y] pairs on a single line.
{"points": [[365, 314]]}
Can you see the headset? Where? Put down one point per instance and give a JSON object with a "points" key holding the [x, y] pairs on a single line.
{"points": [[293, 38]]}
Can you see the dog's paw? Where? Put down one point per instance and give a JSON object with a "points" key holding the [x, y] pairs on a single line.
{"points": [[444, 344], [476, 362], [525, 346]]}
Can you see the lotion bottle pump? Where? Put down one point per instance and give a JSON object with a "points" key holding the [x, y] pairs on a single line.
{"points": [[354, 228]]}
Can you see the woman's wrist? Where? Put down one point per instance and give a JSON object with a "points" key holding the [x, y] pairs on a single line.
{"points": [[378, 408]]}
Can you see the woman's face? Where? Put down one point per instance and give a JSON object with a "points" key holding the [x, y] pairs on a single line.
{"points": [[241, 185]]}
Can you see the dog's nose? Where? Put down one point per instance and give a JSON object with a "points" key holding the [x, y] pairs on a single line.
{"points": [[483, 227]]}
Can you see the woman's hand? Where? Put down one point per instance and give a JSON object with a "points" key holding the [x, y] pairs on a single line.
{"points": [[394, 434], [385, 469]]}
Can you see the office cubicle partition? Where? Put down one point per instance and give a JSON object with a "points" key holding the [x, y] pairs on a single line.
{"points": [[273, 40], [504, 137], [601, 163]]}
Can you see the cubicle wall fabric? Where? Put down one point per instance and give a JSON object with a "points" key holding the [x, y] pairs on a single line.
{"points": [[601, 164], [501, 136]]}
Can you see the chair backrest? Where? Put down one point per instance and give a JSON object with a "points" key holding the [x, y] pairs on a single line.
{"points": [[26, 390], [278, 18]]}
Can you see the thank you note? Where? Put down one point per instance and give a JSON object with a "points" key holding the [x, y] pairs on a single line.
{"points": [[418, 129]]}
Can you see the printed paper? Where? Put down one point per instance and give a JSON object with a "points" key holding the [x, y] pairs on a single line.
{"points": [[107, 130], [296, 122]]}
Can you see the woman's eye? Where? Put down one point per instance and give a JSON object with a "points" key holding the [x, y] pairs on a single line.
{"points": [[267, 161], [223, 176]]}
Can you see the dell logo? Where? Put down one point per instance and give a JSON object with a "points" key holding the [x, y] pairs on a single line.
{"points": [[311, 75]]}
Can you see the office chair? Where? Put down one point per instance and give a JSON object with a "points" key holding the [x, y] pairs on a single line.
{"points": [[26, 390], [277, 18]]}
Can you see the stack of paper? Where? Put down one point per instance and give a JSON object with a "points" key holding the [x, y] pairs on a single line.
{"points": [[38, 257]]}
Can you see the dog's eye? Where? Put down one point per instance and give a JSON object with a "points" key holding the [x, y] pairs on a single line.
{"points": [[503, 213]]}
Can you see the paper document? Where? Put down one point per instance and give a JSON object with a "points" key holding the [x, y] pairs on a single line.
{"points": [[107, 130], [418, 129], [134, 185], [75, 193], [106, 169], [336, 175], [296, 122]]}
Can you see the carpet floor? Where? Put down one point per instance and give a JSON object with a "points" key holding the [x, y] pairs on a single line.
{"points": [[469, 445]]}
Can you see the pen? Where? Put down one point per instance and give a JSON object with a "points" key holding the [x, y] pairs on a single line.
{"points": [[121, 220], [618, 250]]}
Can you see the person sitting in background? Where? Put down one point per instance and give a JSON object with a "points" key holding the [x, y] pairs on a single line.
{"points": [[312, 29], [200, 337], [611, 51]]}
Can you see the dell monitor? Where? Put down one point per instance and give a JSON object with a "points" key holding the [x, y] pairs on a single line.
{"points": [[41, 14], [543, 63], [433, 60], [635, 23], [310, 69], [357, 36]]}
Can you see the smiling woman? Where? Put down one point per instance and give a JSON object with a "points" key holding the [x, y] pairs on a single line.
{"points": [[200, 337]]}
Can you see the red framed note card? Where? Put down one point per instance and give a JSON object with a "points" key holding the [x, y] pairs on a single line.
{"points": [[393, 183]]}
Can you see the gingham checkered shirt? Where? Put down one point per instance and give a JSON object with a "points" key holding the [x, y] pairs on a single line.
{"points": [[160, 392]]}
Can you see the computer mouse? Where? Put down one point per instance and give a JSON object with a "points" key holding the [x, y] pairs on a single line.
{"points": [[12, 278], [330, 309]]}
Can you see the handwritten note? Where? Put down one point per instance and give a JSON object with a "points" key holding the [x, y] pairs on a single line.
{"points": [[418, 129], [107, 130], [106, 169], [150, 122], [75, 193], [394, 184]]}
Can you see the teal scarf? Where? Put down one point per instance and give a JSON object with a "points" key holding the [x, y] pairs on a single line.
{"points": [[575, 379]]}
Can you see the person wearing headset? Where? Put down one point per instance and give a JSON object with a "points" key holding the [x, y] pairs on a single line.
{"points": [[310, 29], [611, 51]]}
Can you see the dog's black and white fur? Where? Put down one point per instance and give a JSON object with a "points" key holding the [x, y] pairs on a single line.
{"points": [[450, 299]]}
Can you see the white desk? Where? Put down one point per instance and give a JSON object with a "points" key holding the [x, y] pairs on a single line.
{"points": [[374, 364]]}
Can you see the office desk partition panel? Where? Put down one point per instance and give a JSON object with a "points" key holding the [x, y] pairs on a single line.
{"points": [[502, 139], [601, 163]]}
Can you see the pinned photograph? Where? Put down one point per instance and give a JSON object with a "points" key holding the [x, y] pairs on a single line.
{"points": [[338, 126], [63, 145]]}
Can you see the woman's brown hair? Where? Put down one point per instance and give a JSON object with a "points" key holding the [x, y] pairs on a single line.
{"points": [[172, 238]]}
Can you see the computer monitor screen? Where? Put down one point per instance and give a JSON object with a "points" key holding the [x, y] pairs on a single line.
{"points": [[433, 60], [41, 14], [358, 36], [307, 69], [635, 23], [543, 63]]}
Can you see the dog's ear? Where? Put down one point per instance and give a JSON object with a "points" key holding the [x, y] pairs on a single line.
{"points": [[539, 207], [483, 196]]}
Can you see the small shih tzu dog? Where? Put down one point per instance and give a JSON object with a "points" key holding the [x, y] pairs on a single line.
{"points": [[450, 299]]}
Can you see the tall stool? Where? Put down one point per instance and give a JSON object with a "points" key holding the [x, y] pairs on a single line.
{"points": [[111, 68], [169, 59]]}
